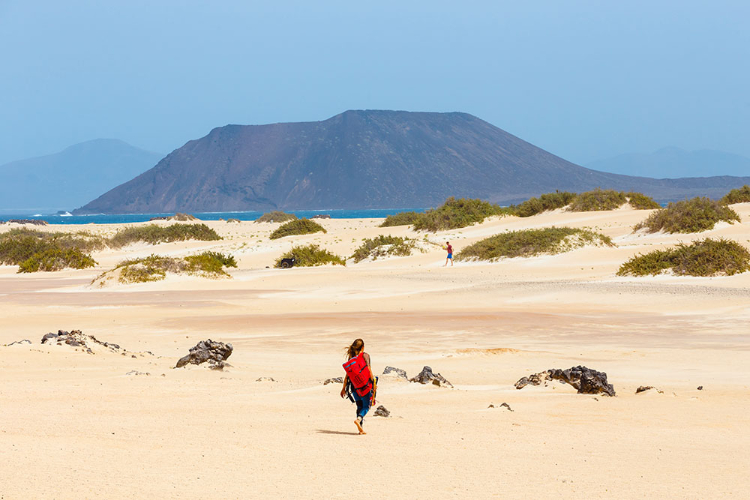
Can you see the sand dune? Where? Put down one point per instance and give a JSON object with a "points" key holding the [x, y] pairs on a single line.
{"points": [[78, 425]]}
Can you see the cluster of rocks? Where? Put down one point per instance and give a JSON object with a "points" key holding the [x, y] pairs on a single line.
{"points": [[426, 376], [19, 342], [502, 405], [321, 216], [208, 351], [334, 380], [76, 338], [585, 380], [398, 372], [381, 411], [33, 222]]}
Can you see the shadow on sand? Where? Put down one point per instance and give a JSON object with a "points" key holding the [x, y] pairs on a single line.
{"points": [[340, 433]]}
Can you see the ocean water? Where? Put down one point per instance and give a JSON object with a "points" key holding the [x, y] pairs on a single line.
{"points": [[246, 216]]}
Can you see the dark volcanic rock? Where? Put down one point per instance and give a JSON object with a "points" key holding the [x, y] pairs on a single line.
{"points": [[321, 216], [381, 411], [76, 338], [502, 405], [334, 380], [19, 342], [426, 376], [585, 380], [700, 387], [397, 371], [645, 388], [368, 159], [214, 353]]}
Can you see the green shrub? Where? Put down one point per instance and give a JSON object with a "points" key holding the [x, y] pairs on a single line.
{"points": [[702, 258], [156, 267], [48, 251], [401, 219], [298, 226], [454, 214], [276, 216], [640, 201], [689, 216], [597, 200], [545, 202], [181, 217], [382, 246], [56, 259], [530, 242], [153, 234], [233, 221], [310, 255], [741, 195]]}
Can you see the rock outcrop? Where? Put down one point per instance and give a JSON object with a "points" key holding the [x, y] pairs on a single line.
{"points": [[395, 371], [381, 411], [585, 380], [334, 380], [426, 376], [207, 351], [87, 343], [645, 388], [19, 342]]}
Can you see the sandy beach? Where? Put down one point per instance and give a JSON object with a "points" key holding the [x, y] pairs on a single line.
{"points": [[78, 425]]}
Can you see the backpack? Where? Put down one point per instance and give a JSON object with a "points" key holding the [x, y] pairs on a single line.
{"points": [[359, 374]]}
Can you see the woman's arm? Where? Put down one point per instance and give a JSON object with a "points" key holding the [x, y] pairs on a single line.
{"points": [[343, 388]]}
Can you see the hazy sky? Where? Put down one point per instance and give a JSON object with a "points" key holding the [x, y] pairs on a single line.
{"points": [[582, 79]]}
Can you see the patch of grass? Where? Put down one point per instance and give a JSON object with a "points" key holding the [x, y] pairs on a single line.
{"points": [[741, 195], [530, 242], [454, 214], [401, 219], [702, 258], [598, 200], [153, 234], [382, 246], [689, 216], [276, 216], [297, 226], [48, 251], [181, 217], [233, 221], [156, 267], [640, 201], [311, 255], [545, 202]]}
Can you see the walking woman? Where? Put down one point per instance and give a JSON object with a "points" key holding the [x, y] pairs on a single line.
{"points": [[364, 383]]}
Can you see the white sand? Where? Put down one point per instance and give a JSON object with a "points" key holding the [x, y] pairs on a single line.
{"points": [[74, 425]]}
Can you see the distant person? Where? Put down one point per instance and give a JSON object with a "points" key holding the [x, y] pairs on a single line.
{"points": [[449, 249], [363, 382]]}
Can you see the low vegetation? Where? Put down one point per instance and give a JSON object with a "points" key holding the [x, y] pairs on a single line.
{"points": [[401, 219], [182, 217], [156, 267], [153, 234], [454, 214], [276, 216], [384, 246], [689, 216], [310, 255], [530, 242], [544, 203], [48, 251], [741, 195], [231, 221], [702, 258], [598, 200], [640, 201], [297, 226]]}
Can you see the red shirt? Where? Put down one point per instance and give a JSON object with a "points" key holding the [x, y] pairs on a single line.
{"points": [[450, 249]]}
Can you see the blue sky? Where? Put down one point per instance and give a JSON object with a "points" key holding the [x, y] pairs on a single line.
{"points": [[583, 79]]}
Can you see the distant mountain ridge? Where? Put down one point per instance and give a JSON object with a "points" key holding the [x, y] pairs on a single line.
{"points": [[365, 159], [68, 179], [673, 163]]}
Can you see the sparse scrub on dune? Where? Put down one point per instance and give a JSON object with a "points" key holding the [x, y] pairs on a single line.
{"points": [[454, 214], [232, 220], [640, 201], [382, 246], [153, 234], [276, 216], [297, 227], [310, 255], [598, 200], [401, 219], [156, 267], [182, 217], [741, 195], [48, 251], [544, 203], [689, 216], [701, 258], [530, 242]]}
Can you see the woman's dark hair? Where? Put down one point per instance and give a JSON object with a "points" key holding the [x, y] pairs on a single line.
{"points": [[356, 347]]}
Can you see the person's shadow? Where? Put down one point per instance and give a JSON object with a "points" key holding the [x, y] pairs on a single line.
{"points": [[340, 433]]}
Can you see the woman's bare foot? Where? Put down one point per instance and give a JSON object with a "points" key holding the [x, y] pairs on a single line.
{"points": [[359, 426]]}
